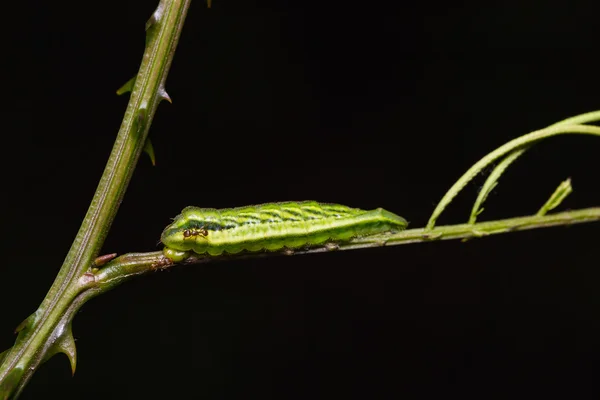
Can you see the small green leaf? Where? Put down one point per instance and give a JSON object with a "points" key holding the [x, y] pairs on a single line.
{"points": [[127, 87], [568, 126], [149, 149], [491, 182], [561, 192]]}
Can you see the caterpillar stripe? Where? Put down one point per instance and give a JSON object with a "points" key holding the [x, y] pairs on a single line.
{"points": [[271, 227]]}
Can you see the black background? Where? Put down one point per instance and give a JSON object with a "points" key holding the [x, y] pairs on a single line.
{"points": [[369, 104]]}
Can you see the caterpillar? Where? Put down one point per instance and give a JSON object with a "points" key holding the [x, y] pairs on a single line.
{"points": [[271, 227]]}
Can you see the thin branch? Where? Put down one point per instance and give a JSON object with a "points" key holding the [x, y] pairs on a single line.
{"points": [[46, 325], [131, 265], [492, 180], [514, 145]]}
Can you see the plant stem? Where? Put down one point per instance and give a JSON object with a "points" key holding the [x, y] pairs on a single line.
{"points": [[131, 265], [514, 145], [163, 31]]}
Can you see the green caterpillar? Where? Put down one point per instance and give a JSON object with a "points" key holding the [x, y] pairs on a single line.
{"points": [[271, 227]]}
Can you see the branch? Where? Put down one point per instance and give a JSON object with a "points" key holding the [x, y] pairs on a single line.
{"points": [[47, 331], [516, 147], [131, 265], [83, 276]]}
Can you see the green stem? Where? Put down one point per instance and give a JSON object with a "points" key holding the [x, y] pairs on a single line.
{"points": [[163, 31], [492, 180], [131, 265], [516, 144]]}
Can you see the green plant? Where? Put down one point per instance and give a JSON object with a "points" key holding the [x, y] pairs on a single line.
{"points": [[83, 275]]}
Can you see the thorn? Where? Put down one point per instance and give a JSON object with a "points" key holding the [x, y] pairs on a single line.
{"points": [[151, 21], [27, 322], [127, 87], [156, 15], [22, 325], [149, 149], [66, 345], [164, 95]]}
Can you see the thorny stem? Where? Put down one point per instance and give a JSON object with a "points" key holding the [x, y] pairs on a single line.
{"points": [[163, 31], [47, 331]]}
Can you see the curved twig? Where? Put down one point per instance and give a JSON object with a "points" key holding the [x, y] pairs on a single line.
{"points": [[517, 144]]}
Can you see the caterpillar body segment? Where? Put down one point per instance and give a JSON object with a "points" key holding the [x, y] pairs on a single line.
{"points": [[273, 226]]}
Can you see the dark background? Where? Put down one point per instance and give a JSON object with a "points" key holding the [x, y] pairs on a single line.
{"points": [[369, 104]]}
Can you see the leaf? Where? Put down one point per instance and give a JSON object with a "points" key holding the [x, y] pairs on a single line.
{"points": [[568, 126], [561, 193], [491, 182]]}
